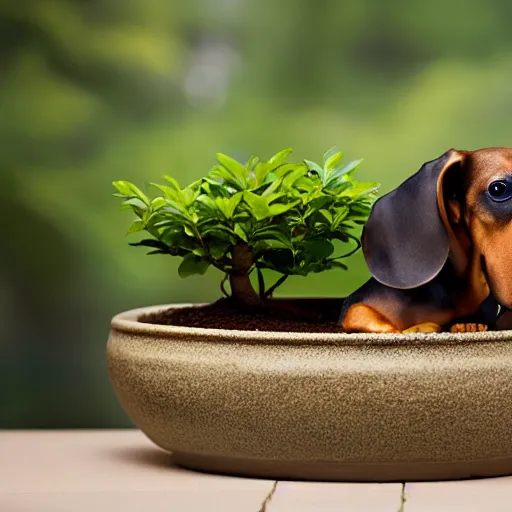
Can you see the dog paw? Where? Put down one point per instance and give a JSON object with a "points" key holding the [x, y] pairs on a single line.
{"points": [[468, 328], [424, 327]]}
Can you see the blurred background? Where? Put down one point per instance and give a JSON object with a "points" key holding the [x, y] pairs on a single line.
{"points": [[97, 90]]}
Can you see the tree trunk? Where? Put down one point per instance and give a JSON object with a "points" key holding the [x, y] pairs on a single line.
{"points": [[241, 287], [242, 290]]}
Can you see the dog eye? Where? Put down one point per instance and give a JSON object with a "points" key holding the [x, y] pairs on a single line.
{"points": [[500, 190]]}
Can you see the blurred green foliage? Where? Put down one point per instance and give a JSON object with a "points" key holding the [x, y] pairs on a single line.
{"points": [[92, 91]]}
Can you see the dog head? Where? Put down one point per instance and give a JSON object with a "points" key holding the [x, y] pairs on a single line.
{"points": [[456, 208]]}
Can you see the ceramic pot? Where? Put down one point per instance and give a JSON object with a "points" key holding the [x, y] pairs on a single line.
{"points": [[337, 407]]}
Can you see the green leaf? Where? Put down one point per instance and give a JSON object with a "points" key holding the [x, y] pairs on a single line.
{"points": [[211, 205], [337, 187], [168, 220], [290, 178], [218, 231], [157, 251], [261, 172], [341, 234], [150, 243], [173, 208], [189, 195], [129, 189], [340, 173], [174, 184], [266, 234], [274, 197], [312, 166], [214, 189], [237, 170], [228, 206], [277, 259], [158, 203], [333, 160], [339, 216], [317, 203], [134, 203], [280, 158], [136, 226], [358, 209], [234, 201], [305, 183], [284, 169], [123, 187], [268, 172], [218, 250], [327, 214], [351, 167], [172, 235], [189, 231], [299, 271], [252, 163], [222, 204], [331, 152], [219, 175], [318, 249], [272, 188], [279, 208], [360, 189], [257, 204], [170, 192], [192, 265], [183, 198], [240, 232]]}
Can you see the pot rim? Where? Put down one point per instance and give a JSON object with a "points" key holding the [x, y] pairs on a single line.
{"points": [[127, 321]]}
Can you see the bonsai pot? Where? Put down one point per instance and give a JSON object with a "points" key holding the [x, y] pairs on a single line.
{"points": [[318, 406]]}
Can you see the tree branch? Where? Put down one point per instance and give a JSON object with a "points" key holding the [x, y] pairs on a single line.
{"points": [[261, 283], [358, 246], [273, 288]]}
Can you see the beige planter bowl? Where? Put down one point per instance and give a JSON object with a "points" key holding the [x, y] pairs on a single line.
{"points": [[336, 407]]}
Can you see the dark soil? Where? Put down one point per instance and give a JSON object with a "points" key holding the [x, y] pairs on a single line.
{"points": [[294, 315]]}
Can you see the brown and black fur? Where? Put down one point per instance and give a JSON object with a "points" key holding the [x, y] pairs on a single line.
{"points": [[439, 248]]}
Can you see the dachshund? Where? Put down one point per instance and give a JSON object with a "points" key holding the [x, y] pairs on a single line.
{"points": [[439, 249]]}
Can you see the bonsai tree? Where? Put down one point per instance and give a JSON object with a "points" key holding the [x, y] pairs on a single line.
{"points": [[244, 218]]}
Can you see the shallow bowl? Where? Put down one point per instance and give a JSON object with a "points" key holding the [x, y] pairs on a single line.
{"points": [[332, 407]]}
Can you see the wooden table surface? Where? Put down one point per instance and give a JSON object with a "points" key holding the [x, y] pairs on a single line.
{"points": [[121, 470]]}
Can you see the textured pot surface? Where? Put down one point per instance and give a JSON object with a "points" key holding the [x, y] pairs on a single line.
{"points": [[351, 407]]}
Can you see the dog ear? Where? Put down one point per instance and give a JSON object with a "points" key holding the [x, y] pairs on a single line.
{"points": [[408, 236]]}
